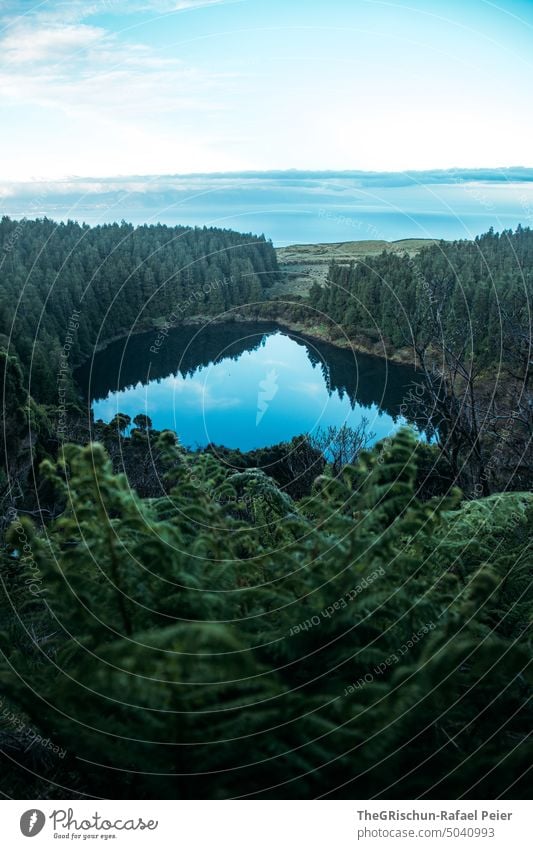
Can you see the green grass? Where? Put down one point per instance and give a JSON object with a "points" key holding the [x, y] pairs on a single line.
{"points": [[303, 265]]}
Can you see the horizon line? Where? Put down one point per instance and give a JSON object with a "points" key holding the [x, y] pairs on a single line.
{"points": [[522, 170]]}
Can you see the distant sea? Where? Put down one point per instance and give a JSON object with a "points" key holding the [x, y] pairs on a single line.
{"points": [[293, 206]]}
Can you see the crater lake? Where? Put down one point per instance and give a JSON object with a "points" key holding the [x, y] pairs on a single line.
{"points": [[245, 385]]}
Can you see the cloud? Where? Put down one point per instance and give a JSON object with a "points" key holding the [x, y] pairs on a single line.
{"points": [[269, 183], [183, 5], [26, 43], [312, 390], [278, 363], [68, 11], [88, 72], [95, 97], [195, 393], [143, 88]]}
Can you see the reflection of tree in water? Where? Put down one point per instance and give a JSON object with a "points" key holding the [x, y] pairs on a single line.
{"points": [[183, 351], [365, 380]]}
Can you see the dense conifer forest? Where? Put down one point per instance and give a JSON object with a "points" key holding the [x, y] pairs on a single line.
{"points": [[462, 312], [478, 292], [103, 282], [211, 624]]}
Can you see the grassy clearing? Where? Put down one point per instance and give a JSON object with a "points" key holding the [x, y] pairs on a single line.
{"points": [[302, 265]]}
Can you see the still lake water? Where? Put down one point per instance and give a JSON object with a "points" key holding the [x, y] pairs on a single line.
{"points": [[244, 385]]}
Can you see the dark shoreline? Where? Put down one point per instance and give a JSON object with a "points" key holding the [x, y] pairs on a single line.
{"points": [[403, 356]]}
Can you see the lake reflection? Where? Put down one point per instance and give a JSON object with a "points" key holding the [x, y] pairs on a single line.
{"points": [[243, 385]]}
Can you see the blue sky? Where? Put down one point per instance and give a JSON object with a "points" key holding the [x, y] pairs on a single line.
{"points": [[118, 87]]}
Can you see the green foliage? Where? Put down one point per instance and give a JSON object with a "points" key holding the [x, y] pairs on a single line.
{"points": [[225, 640], [476, 291], [294, 465], [66, 287]]}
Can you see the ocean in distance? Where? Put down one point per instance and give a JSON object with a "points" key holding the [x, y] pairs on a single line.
{"points": [[292, 207]]}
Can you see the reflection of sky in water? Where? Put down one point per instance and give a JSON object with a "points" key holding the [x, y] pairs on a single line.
{"points": [[219, 403]]}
